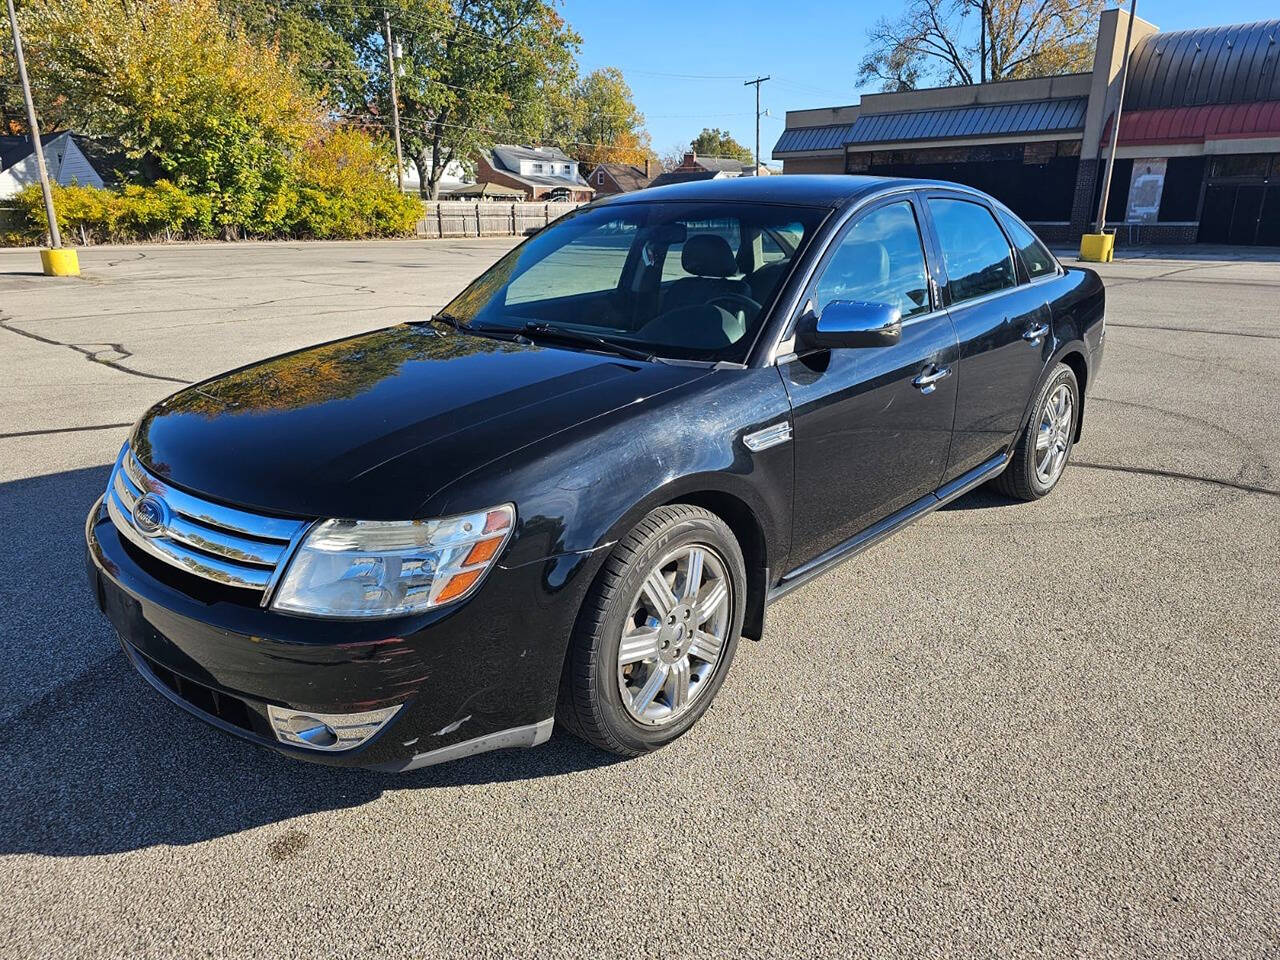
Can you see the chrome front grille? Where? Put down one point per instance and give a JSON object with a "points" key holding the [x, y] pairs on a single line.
{"points": [[229, 546]]}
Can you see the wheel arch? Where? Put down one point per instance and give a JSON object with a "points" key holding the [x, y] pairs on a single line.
{"points": [[746, 516], [1074, 358], [747, 530]]}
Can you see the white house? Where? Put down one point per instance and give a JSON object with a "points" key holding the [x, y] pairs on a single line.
{"points": [[66, 162]]}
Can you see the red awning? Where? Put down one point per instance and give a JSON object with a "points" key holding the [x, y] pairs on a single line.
{"points": [[1219, 121]]}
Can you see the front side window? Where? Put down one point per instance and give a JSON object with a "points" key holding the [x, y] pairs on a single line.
{"points": [[685, 280], [1037, 259], [880, 260], [974, 249]]}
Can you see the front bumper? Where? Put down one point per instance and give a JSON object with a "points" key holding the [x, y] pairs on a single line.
{"points": [[478, 676]]}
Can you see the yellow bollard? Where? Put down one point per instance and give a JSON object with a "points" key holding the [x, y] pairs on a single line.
{"points": [[61, 262], [1097, 247]]}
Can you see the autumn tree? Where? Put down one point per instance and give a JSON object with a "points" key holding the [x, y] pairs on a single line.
{"points": [[976, 41], [171, 86], [596, 121], [714, 142]]}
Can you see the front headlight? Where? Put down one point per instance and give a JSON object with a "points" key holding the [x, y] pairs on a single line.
{"points": [[377, 568]]}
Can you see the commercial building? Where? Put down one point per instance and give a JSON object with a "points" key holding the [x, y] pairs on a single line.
{"points": [[1199, 141]]}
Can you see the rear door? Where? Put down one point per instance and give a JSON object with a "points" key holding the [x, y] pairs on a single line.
{"points": [[871, 425], [1002, 321]]}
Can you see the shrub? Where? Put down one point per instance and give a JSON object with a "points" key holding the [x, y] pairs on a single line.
{"points": [[338, 186], [88, 214], [345, 190]]}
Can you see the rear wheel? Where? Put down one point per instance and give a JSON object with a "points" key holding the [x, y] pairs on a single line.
{"points": [[1043, 448], [656, 634]]}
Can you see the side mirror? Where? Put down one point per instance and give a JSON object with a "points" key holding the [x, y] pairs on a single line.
{"points": [[852, 323]]}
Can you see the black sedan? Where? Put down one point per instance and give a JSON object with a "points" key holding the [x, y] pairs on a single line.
{"points": [[569, 493]]}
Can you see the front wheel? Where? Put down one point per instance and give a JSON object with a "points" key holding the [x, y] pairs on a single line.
{"points": [[656, 633], [1044, 446]]}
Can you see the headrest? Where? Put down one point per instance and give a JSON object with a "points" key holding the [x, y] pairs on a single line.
{"points": [[863, 263], [708, 255]]}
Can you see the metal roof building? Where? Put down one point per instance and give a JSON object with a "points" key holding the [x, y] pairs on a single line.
{"points": [[1198, 154]]}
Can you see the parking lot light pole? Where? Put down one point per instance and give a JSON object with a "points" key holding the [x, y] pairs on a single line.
{"points": [[56, 261]]}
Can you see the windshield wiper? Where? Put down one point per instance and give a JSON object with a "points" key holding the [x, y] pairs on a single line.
{"points": [[494, 333], [548, 332], [446, 317]]}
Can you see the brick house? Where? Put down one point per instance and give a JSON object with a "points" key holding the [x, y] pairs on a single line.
{"points": [[540, 173], [609, 178]]}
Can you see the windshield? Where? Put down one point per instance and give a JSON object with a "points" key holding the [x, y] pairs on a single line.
{"points": [[681, 280]]}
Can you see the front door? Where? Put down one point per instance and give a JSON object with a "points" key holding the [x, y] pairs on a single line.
{"points": [[871, 425], [1003, 325]]}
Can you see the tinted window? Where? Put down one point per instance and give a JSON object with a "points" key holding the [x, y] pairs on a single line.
{"points": [[1039, 262], [587, 264], [976, 253], [880, 260], [665, 277]]}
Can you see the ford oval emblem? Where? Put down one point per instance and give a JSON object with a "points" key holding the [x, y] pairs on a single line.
{"points": [[150, 515]]}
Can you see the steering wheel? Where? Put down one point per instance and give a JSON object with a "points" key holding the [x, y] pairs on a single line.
{"points": [[736, 298]]}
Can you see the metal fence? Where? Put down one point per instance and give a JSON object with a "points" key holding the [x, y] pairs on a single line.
{"points": [[487, 218]]}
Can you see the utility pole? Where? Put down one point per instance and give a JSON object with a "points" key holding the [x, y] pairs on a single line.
{"points": [[1115, 125], [757, 81], [33, 125], [395, 102]]}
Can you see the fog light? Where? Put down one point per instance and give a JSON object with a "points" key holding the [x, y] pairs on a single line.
{"points": [[327, 731]]}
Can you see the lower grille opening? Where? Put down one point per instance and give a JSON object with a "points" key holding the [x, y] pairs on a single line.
{"points": [[225, 707]]}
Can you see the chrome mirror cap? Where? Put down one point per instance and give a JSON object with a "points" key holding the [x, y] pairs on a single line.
{"points": [[852, 323]]}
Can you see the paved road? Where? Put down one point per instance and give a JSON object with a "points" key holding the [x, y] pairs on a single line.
{"points": [[1014, 729]]}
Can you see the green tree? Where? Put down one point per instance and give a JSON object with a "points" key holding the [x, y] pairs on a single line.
{"points": [[976, 41], [314, 37], [714, 142], [474, 72]]}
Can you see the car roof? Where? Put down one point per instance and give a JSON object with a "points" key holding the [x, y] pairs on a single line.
{"points": [[834, 190]]}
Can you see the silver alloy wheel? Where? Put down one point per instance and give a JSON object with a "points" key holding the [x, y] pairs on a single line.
{"points": [[1053, 439], [672, 640]]}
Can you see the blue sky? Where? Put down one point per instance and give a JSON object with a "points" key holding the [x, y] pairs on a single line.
{"points": [[686, 61]]}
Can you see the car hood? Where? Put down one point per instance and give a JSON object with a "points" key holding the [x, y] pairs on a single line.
{"points": [[369, 427]]}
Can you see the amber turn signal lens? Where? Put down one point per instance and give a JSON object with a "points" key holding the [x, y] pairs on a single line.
{"points": [[458, 585], [482, 552]]}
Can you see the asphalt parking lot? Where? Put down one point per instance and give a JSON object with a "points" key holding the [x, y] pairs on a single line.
{"points": [[1015, 729]]}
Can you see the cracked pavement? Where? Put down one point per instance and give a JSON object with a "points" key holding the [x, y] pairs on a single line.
{"points": [[1012, 729]]}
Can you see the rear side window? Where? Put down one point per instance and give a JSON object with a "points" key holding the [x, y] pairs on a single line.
{"points": [[1039, 262], [974, 248]]}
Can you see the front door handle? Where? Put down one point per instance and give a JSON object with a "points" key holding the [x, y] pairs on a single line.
{"points": [[927, 382], [1036, 334]]}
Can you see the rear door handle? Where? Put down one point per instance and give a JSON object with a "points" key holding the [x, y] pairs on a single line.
{"points": [[927, 382], [1036, 334]]}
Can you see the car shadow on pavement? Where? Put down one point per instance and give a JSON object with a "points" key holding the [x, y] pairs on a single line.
{"points": [[96, 762], [982, 498]]}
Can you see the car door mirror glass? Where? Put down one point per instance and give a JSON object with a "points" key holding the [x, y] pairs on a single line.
{"points": [[853, 323]]}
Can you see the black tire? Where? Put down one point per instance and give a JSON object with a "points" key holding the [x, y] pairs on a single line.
{"points": [[591, 705], [1020, 479]]}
